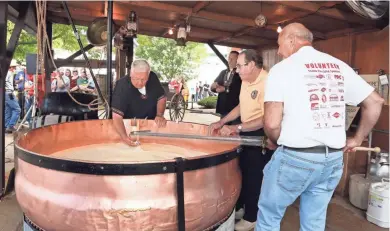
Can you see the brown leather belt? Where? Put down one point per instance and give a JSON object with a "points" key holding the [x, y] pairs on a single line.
{"points": [[316, 149]]}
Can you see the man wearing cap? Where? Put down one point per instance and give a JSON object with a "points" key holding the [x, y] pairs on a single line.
{"points": [[140, 96], [12, 108], [252, 159]]}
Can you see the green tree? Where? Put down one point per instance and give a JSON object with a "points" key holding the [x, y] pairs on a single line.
{"points": [[63, 38], [27, 43], [168, 59]]}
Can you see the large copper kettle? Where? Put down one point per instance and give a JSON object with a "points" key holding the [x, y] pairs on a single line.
{"points": [[62, 195]]}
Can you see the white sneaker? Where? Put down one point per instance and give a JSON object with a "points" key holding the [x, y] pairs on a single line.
{"points": [[239, 214], [244, 225]]}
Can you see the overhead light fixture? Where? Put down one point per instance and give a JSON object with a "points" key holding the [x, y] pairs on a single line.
{"points": [[181, 35], [170, 31], [132, 25], [279, 29], [260, 20]]}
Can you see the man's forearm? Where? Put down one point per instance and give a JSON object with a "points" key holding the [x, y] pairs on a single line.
{"points": [[161, 104], [213, 86], [273, 134], [253, 125], [233, 114], [119, 126], [369, 116]]}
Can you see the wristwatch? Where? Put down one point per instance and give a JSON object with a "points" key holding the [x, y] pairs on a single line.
{"points": [[239, 128]]}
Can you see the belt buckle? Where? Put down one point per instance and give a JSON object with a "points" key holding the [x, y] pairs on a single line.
{"points": [[263, 145]]}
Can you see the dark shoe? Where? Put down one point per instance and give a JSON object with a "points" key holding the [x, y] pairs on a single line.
{"points": [[10, 130]]}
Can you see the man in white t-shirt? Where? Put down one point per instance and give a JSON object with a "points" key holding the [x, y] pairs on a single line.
{"points": [[305, 99]]}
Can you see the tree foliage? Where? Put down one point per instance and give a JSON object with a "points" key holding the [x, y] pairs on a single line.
{"points": [[27, 43], [63, 38], [168, 59]]}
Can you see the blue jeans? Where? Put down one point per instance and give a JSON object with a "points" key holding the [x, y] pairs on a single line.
{"points": [[12, 111], [291, 174], [27, 105]]}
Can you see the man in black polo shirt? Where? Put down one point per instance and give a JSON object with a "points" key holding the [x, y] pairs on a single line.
{"points": [[138, 96], [228, 86]]}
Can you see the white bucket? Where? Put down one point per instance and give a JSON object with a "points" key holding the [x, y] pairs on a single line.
{"points": [[378, 204], [358, 190]]}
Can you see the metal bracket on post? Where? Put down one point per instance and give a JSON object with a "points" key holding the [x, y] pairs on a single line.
{"points": [[6, 55], [109, 59], [181, 223], [3, 73]]}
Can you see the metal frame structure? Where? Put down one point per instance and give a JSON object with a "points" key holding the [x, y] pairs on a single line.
{"points": [[6, 55]]}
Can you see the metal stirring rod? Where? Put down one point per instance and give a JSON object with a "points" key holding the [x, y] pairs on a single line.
{"points": [[243, 140]]}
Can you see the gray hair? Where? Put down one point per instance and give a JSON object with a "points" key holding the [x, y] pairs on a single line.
{"points": [[140, 65], [305, 35], [253, 55]]}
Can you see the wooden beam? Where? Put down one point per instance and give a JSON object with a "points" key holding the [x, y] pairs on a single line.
{"points": [[119, 16], [210, 15], [120, 13], [105, 8], [82, 63], [220, 56], [330, 13], [345, 32], [188, 10], [199, 6]]}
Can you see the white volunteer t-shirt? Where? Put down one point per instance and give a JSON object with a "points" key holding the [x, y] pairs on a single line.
{"points": [[314, 88]]}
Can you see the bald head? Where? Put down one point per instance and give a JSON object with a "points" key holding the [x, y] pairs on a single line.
{"points": [[292, 38], [299, 31]]}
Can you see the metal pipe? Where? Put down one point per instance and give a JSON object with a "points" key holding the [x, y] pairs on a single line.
{"points": [[48, 64], [369, 154], [82, 49], [3, 74], [243, 140], [130, 55], [109, 59]]}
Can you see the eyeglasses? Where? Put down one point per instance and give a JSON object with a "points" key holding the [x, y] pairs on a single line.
{"points": [[239, 66]]}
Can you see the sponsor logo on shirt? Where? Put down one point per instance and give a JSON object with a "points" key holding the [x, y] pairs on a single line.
{"points": [[323, 98], [322, 66], [254, 94], [323, 89], [314, 97], [314, 106], [333, 98], [336, 115], [316, 116]]}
